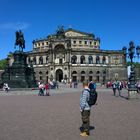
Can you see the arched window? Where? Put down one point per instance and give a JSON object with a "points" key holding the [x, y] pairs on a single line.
{"points": [[74, 59], [34, 60], [82, 76], [97, 76], [74, 76], [82, 72], [90, 72], [97, 72], [82, 59], [74, 72], [47, 58], [90, 75], [90, 59], [41, 60], [40, 75], [97, 60], [65, 77], [104, 60]]}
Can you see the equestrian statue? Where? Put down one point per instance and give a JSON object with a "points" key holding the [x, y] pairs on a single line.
{"points": [[20, 40]]}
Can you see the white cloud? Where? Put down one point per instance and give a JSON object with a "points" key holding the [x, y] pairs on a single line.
{"points": [[14, 25]]}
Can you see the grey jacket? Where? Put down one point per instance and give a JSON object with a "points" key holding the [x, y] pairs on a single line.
{"points": [[83, 100]]}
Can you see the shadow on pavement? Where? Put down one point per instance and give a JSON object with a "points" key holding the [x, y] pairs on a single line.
{"points": [[90, 128]]}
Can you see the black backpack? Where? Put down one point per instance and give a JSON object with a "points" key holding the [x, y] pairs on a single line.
{"points": [[92, 97]]}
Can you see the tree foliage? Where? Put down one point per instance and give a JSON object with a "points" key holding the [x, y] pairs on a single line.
{"points": [[136, 64], [3, 63]]}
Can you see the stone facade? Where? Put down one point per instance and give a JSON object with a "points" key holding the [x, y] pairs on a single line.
{"points": [[75, 55]]}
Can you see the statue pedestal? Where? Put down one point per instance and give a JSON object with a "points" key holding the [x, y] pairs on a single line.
{"points": [[132, 94], [19, 75]]}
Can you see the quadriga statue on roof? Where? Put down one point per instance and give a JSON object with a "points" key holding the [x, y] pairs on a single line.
{"points": [[20, 40]]}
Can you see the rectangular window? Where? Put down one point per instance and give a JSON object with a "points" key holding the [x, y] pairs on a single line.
{"points": [[85, 42], [60, 61], [82, 78], [74, 42], [90, 78], [40, 77], [80, 42]]}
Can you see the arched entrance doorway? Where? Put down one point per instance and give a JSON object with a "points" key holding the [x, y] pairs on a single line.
{"points": [[59, 75]]}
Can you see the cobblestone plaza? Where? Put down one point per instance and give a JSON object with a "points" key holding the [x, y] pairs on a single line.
{"points": [[26, 116]]}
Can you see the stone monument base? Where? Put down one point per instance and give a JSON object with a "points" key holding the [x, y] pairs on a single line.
{"points": [[132, 94], [19, 75]]}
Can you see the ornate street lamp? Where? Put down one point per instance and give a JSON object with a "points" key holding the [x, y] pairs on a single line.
{"points": [[138, 51], [132, 90], [131, 51]]}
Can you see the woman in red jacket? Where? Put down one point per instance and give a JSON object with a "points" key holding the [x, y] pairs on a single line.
{"points": [[47, 89]]}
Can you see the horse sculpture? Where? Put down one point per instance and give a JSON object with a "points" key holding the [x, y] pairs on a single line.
{"points": [[20, 40]]}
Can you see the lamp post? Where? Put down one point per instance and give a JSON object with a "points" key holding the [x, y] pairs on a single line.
{"points": [[138, 51], [132, 90]]}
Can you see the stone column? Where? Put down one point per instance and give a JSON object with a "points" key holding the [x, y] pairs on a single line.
{"points": [[50, 56], [37, 59], [68, 57]]}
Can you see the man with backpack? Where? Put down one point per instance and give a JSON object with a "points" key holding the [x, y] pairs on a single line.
{"points": [[85, 106], [92, 85]]}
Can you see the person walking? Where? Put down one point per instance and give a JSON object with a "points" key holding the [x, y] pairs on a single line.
{"points": [[85, 110], [119, 87], [6, 87], [41, 89], [47, 89], [114, 86]]}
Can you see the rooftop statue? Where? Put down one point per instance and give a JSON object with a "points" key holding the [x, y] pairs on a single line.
{"points": [[20, 40], [60, 32]]}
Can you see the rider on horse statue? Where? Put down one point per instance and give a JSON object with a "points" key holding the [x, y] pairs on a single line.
{"points": [[20, 40]]}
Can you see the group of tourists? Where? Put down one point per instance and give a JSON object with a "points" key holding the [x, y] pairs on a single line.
{"points": [[117, 86], [110, 84], [43, 89]]}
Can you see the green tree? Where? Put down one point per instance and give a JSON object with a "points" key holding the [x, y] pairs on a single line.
{"points": [[3, 63], [136, 64]]}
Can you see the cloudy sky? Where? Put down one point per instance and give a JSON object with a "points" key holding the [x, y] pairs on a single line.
{"points": [[116, 22]]}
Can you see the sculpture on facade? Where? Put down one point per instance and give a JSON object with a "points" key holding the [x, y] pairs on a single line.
{"points": [[60, 33], [20, 40]]}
